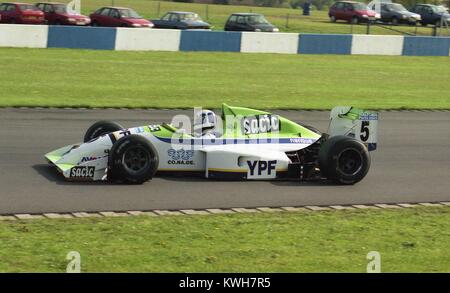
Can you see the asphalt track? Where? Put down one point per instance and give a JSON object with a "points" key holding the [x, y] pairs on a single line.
{"points": [[412, 164]]}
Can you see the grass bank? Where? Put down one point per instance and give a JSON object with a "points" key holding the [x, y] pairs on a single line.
{"points": [[83, 78], [409, 240]]}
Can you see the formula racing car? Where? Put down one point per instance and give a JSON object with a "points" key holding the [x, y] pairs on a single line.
{"points": [[249, 145]]}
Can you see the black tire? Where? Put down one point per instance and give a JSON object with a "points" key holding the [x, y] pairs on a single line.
{"points": [[333, 18], [354, 20], [94, 23], [423, 23], [394, 21], [100, 128], [437, 23], [132, 159], [344, 160]]}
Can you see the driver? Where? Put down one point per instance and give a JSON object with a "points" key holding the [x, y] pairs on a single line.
{"points": [[205, 123]]}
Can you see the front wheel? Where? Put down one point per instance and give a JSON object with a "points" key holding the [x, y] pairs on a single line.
{"points": [[354, 20], [344, 160], [333, 18], [100, 128], [132, 159]]}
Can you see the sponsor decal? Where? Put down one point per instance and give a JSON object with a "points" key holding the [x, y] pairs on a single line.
{"points": [[260, 124], [87, 159], [261, 169], [368, 116], [82, 172], [180, 157], [140, 130], [302, 140], [125, 132], [154, 128]]}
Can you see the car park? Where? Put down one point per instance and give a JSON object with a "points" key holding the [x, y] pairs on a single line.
{"points": [[251, 145], [431, 14], [118, 17], [353, 12], [181, 20], [60, 14], [249, 22], [23, 13], [396, 13]]}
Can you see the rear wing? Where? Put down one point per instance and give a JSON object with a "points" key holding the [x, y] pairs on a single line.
{"points": [[357, 123]]}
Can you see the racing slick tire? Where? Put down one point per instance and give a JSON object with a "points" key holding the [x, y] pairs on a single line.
{"points": [[132, 159], [100, 128], [344, 160]]}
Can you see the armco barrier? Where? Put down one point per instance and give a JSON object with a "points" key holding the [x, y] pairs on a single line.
{"points": [[377, 45], [325, 44], [269, 43], [426, 46], [23, 36], [81, 37], [147, 39], [210, 41]]}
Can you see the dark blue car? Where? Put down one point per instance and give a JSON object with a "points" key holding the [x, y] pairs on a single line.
{"points": [[181, 20], [431, 14]]}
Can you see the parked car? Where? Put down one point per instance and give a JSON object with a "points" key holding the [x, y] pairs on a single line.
{"points": [[396, 13], [431, 14], [353, 12], [250, 22], [181, 20], [118, 16], [13, 12], [60, 13]]}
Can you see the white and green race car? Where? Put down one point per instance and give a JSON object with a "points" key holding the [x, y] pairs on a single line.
{"points": [[253, 145]]}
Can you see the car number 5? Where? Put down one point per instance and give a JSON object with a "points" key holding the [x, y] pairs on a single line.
{"points": [[364, 132]]}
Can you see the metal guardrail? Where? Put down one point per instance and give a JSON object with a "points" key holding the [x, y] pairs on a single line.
{"points": [[436, 30]]}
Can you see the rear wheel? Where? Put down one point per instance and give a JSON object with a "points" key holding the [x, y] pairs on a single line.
{"points": [[100, 128], [132, 159], [344, 160]]}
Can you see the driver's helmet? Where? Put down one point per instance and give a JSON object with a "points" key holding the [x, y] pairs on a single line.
{"points": [[204, 120]]}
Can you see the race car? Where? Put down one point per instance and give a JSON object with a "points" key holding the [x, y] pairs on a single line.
{"points": [[252, 145]]}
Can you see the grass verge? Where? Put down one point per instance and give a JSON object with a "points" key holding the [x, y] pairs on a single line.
{"points": [[409, 240], [83, 78]]}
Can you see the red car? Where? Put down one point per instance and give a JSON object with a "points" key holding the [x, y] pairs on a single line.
{"points": [[353, 12], [59, 13], [118, 16], [13, 12]]}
